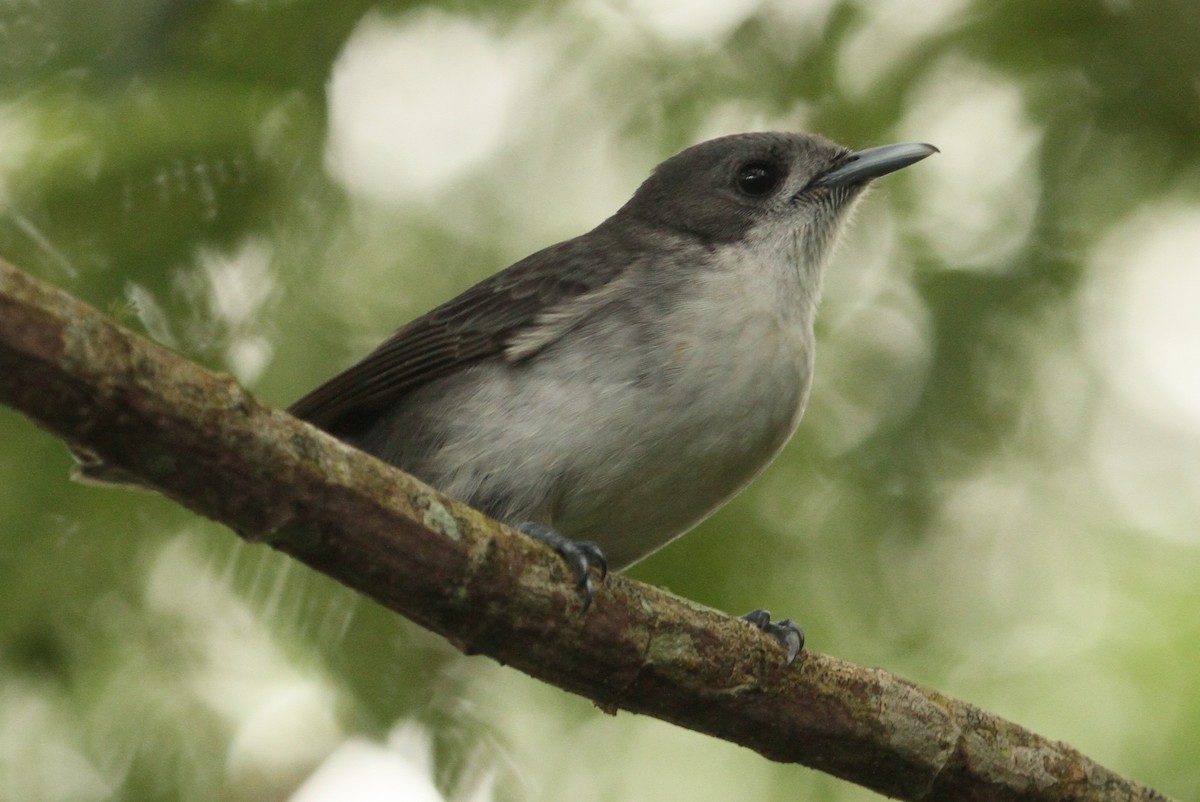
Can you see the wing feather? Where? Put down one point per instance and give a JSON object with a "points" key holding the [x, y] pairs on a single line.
{"points": [[512, 314]]}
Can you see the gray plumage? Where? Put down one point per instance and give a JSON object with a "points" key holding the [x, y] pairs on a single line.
{"points": [[620, 386]]}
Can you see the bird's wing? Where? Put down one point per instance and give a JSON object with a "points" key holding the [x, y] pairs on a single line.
{"points": [[514, 313]]}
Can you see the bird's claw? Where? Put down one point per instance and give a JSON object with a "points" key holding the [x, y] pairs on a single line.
{"points": [[789, 634], [580, 556]]}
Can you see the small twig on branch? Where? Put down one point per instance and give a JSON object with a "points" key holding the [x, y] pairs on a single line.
{"points": [[202, 440]]}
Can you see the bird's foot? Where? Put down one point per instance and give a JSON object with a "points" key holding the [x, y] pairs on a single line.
{"points": [[787, 632], [580, 556]]}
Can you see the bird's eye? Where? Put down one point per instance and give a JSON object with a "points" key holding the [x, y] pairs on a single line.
{"points": [[758, 178]]}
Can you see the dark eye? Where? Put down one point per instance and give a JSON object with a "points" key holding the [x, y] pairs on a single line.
{"points": [[758, 178]]}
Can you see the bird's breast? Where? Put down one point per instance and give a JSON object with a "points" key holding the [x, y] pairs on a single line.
{"points": [[742, 363], [727, 389]]}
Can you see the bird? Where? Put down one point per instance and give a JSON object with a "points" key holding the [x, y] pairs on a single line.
{"points": [[606, 394]]}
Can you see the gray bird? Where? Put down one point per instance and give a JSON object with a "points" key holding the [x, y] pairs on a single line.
{"points": [[608, 393]]}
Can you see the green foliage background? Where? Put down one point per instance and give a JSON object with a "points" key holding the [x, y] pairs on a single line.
{"points": [[995, 491]]}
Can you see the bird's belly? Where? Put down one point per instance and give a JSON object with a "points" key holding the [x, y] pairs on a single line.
{"points": [[666, 455], [630, 460]]}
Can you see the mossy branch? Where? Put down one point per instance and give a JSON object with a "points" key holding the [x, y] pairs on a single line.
{"points": [[202, 440]]}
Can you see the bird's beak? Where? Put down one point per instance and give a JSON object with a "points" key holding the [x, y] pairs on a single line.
{"points": [[861, 167]]}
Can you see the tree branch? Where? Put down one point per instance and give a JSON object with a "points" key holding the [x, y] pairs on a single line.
{"points": [[203, 441]]}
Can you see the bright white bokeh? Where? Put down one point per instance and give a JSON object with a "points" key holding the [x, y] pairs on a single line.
{"points": [[417, 101], [980, 194], [43, 754], [365, 771], [738, 116], [228, 290], [1140, 313], [679, 21], [889, 33], [282, 718]]}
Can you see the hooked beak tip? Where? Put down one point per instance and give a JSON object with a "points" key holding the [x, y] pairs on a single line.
{"points": [[864, 165]]}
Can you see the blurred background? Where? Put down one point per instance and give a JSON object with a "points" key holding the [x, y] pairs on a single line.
{"points": [[995, 491]]}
